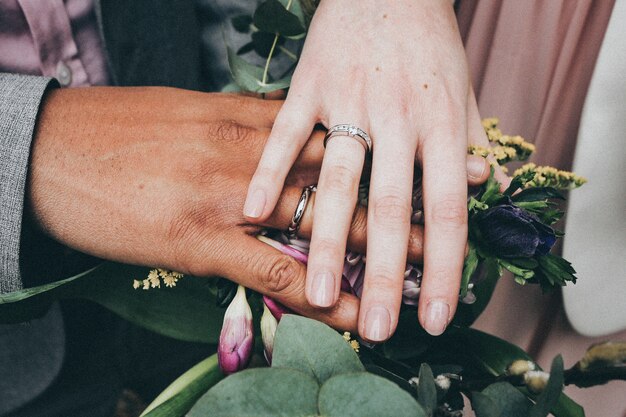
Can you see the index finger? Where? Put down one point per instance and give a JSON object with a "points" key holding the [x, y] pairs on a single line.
{"points": [[445, 225]]}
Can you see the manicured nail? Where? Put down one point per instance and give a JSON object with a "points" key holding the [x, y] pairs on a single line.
{"points": [[437, 317], [377, 324], [255, 203], [476, 167], [323, 289]]}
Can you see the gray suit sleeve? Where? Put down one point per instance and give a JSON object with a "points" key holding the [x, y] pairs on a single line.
{"points": [[20, 96]]}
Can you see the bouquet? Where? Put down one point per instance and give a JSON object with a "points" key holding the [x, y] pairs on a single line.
{"points": [[300, 367]]}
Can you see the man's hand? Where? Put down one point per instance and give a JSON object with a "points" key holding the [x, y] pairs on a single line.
{"points": [[158, 177]]}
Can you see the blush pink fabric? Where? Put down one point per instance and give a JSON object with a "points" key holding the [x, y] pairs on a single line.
{"points": [[531, 63], [36, 36]]}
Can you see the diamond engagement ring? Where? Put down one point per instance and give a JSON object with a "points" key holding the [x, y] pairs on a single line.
{"points": [[351, 131], [292, 230]]}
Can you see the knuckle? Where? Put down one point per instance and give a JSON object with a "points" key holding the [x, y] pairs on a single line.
{"points": [[391, 209], [326, 248], [340, 179], [281, 274], [449, 213], [229, 131], [382, 278]]}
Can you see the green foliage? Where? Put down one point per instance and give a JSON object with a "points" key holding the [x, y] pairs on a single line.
{"points": [[501, 400], [314, 372], [250, 77], [185, 312], [426, 390], [313, 348], [365, 395], [260, 392], [551, 394], [469, 267], [272, 17]]}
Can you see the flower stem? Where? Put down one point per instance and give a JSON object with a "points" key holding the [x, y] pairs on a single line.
{"points": [[269, 57]]}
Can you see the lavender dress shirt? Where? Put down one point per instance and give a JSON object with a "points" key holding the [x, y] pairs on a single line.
{"points": [[54, 38]]}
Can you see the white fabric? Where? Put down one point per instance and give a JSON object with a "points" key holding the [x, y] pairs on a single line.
{"points": [[595, 239]]}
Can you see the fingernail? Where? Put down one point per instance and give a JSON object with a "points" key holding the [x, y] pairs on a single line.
{"points": [[255, 203], [437, 316], [323, 289], [476, 167], [377, 324]]}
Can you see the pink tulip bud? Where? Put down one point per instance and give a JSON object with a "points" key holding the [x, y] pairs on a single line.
{"points": [[276, 308], [237, 337], [268, 330]]}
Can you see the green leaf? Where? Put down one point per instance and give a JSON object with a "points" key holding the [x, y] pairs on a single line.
{"points": [[262, 43], [364, 395], [518, 182], [312, 347], [566, 407], [534, 206], [242, 23], [483, 290], [510, 401], [525, 263], [185, 312], [271, 16], [515, 270], [492, 190], [469, 267], [550, 395], [537, 193], [249, 77], [426, 390], [182, 394], [485, 406], [261, 392], [31, 303]]}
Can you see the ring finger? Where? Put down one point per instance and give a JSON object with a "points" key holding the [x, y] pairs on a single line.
{"points": [[336, 200]]}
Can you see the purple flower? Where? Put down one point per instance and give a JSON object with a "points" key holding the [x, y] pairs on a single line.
{"points": [[511, 232], [276, 308], [237, 337]]}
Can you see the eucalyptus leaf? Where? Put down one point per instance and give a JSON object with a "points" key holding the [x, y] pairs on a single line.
{"points": [[312, 347], [550, 395], [272, 17], [261, 392], [510, 401], [182, 394], [242, 23], [426, 390], [485, 406], [363, 395], [262, 43], [250, 77]]}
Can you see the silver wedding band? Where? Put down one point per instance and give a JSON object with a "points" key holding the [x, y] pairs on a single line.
{"points": [[294, 226], [350, 131]]}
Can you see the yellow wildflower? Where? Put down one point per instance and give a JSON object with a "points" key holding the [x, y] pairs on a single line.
{"points": [[353, 343], [136, 284], [170, 281]]}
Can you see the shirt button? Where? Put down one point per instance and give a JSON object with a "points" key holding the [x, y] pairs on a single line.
{"points": [[64, 74]]}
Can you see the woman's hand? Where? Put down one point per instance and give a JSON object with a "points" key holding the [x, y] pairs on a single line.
{"points": [[158, 177], [398, 71]]}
